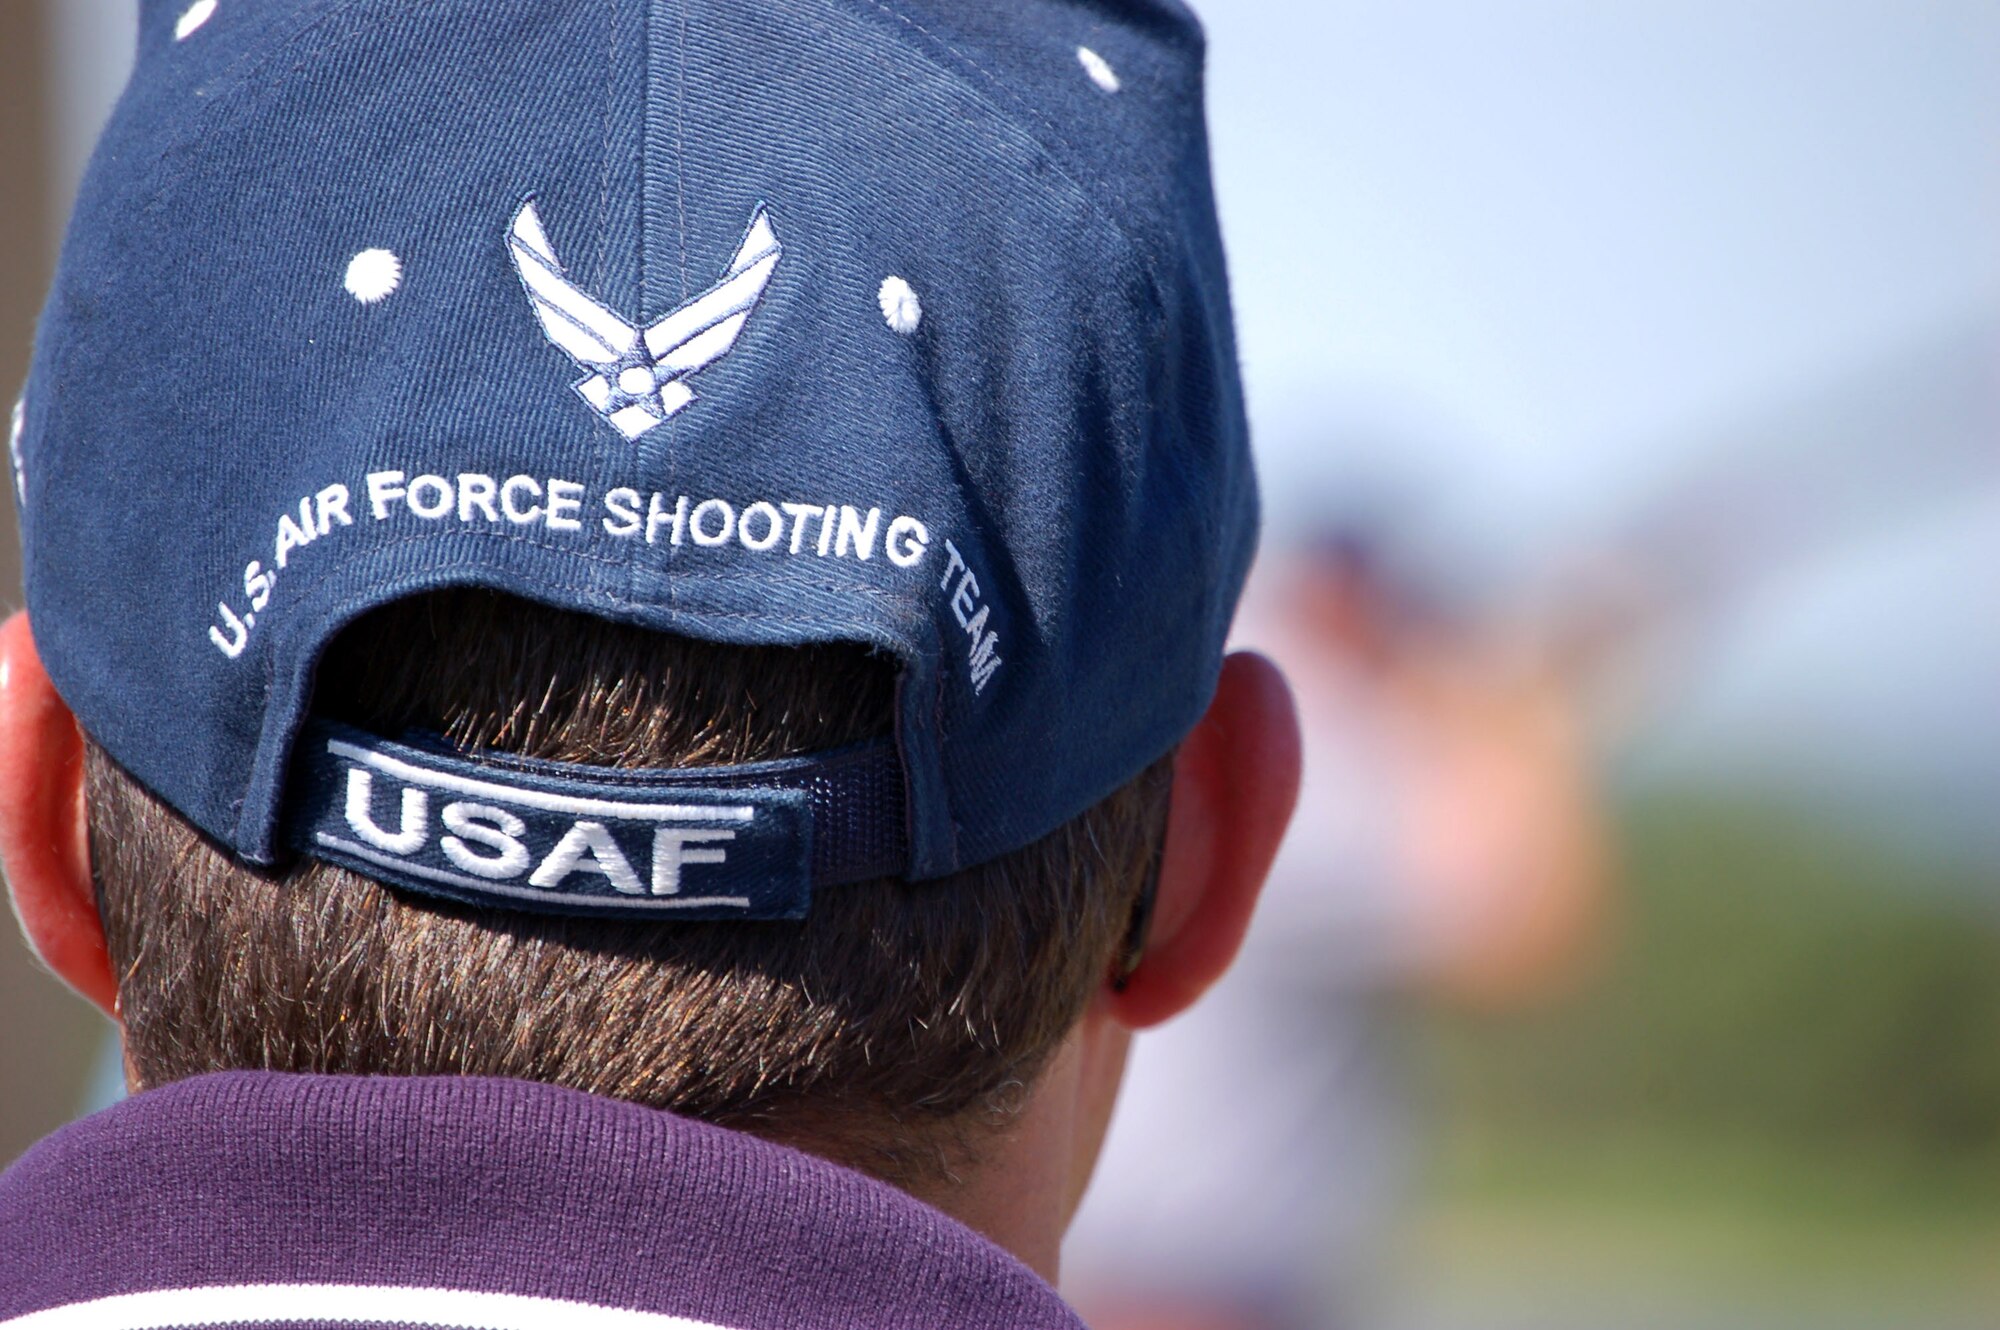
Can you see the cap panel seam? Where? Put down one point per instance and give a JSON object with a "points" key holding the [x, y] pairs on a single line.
{"points": [[214, 102], [1001, 103], [680, 142], [604, 151]]}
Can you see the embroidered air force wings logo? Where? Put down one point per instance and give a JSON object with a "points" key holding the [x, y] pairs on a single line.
{"points": [[638, 379]]}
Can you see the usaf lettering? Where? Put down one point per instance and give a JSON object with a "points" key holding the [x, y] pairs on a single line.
{"points": [[487, 841]]}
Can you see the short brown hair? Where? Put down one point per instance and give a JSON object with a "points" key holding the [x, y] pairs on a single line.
{"points": [[877, 1030]]}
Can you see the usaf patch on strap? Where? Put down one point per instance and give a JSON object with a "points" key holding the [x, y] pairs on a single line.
{"points": [[519, 833]]}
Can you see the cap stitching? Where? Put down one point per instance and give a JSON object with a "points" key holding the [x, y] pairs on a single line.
{"points": [[604, 156], [238, 74], [1002, 95], [680, 146], [878, 593]]}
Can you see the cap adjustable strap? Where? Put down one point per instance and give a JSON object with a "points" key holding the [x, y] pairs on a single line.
{"points": [[494, 829]]}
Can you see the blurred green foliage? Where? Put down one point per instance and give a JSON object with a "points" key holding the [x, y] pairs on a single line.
{"points": [[1776, 1104], [1770, 977]]}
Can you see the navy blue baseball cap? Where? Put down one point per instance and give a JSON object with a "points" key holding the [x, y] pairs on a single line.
{"points": [[901, 323]]}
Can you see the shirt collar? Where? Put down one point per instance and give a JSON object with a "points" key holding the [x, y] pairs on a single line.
{"points": [[479, 1189]]}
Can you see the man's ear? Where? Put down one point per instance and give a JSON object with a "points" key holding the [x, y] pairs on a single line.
{"points": [[1236, 779], [44, 841]]}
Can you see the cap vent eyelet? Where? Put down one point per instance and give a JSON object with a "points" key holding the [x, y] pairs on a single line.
{"points": [[373, 276], [191, 19], [1100, 70], [900, 307]]}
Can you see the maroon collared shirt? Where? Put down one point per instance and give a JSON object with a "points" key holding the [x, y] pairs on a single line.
{"points": [[276, 1200]]}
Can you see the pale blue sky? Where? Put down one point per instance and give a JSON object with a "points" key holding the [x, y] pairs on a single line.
{"points": [[1548, 240], [1533, 259]]}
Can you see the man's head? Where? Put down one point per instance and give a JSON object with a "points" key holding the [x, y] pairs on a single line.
{"points": [[894, 1028], [675, 546]]}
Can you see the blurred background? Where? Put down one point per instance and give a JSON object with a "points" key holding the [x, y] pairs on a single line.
{"points": [[1626, 384]]}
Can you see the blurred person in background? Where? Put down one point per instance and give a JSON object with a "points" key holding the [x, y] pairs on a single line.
{"points": [[1449, 843]]}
